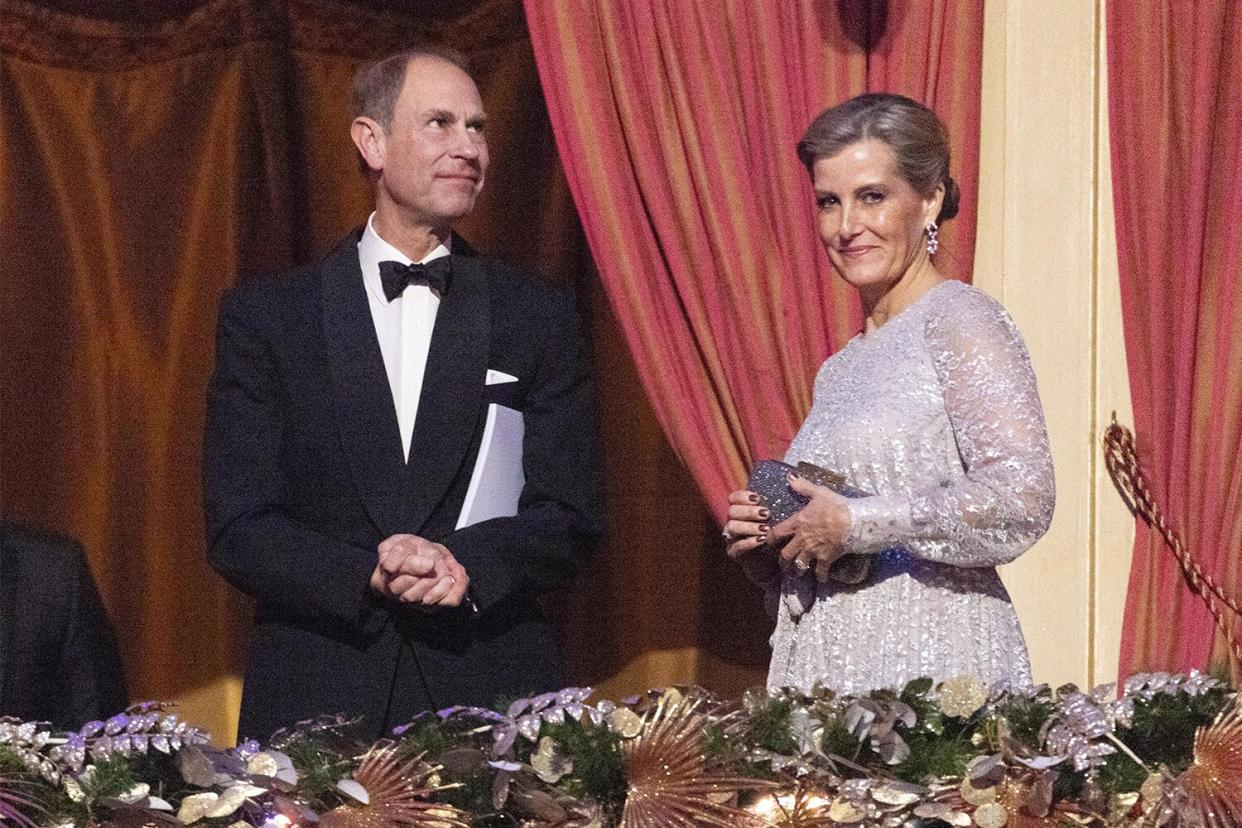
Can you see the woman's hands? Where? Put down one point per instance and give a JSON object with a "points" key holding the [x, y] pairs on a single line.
{"points": [[813, 537], [746, 533], [815, 534]]}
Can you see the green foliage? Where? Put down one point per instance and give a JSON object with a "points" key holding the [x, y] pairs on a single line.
{"points": [[1026, 717], [1068, 785], [431, 737], [934, 756], [319, 769], [473, 791], [940, 745], [1163, 729], [427, 738], [1162, 732], [717, 745], [1121, 774], [729, 751], [837, 740], [770, 727], [10, 762], [917, 694], [160, 771], [112, 777], [599, 767], [918, 688]]}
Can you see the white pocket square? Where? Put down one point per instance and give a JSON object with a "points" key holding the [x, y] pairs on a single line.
{"points": [[495, 377]]}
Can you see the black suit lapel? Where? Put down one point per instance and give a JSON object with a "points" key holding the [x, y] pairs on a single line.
{"points": [[365, 411], [448, 407]]}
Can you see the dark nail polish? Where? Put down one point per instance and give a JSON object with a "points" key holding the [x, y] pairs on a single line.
{"points": [[763, 514], [763, 528], [752, 497], [761, 540]]}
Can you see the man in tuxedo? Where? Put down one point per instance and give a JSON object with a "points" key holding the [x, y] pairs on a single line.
{"points": [[344, 420], [58, 659]]}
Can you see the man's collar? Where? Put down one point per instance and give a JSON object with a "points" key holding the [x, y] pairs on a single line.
{"points": [[372, 249], [384, 252]]}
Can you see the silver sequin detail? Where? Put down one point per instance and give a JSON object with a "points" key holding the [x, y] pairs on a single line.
{"points": [[937, 412]]}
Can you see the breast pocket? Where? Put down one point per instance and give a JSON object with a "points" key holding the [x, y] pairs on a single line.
{"points": [[503, 388]]}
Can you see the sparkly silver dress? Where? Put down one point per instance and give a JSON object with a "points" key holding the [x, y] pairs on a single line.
{"points": [[937, 413]]}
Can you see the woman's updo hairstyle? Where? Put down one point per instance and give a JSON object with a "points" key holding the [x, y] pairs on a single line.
{"points": [[920, 142]]}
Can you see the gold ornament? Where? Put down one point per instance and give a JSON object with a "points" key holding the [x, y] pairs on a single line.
{"points": [[670, 781], [550, 762], [262, 764], [1153, 788], [962, 696], [978, 796], [398, 795], [845, 812], [1211, 788], [992, 815], [626, 723], [896, 793], [671, 697]]}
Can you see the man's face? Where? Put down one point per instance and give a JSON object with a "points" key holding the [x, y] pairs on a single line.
{"points": [[434, 154]]}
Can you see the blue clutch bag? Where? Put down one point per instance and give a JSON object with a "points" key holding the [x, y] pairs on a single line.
{"points": [[769, 481]]}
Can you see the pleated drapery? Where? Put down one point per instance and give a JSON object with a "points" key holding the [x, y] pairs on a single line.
{"points": [[1175, 114], [676, 124]]}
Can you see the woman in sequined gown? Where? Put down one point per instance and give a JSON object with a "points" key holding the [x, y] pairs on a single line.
{"points": [[932, 407]]}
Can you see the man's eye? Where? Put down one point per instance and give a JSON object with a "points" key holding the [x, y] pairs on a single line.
{"points": [[438, 122], [873, 197], [825, 201]]}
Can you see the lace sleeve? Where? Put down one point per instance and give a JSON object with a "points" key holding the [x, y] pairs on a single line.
{"points": [[1004, 501]]}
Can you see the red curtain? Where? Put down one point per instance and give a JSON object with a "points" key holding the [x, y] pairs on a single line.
{"points": [[676, 125], [1175, 112]]}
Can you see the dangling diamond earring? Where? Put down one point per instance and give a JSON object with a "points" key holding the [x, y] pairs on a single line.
{"points": [[933, 243]]}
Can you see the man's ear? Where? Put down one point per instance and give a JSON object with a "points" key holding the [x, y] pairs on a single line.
{"points": [[368, 137]]}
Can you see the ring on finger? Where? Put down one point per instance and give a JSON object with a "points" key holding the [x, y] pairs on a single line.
{"points": [[801, 565], [728, 536]]}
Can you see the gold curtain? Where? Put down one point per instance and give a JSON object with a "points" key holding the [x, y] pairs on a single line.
{"points": [[145, 168]]}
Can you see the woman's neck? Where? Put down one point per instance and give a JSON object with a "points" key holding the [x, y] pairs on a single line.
{"points": [[883, 304]]}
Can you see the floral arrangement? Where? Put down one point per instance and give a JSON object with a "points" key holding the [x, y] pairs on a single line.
{"points": [[1167, 751]]}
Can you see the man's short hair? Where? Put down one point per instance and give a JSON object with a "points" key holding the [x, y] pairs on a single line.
{"points": [[377, 85]]}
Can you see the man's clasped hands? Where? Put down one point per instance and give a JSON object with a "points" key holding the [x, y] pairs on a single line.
{"points": [[417, 571]]}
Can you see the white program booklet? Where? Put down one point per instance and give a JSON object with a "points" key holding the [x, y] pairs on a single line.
{"points": [[497, 481]]}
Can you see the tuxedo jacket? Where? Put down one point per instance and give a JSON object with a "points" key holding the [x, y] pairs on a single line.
{"points": [[304, 475], [58, 657]]}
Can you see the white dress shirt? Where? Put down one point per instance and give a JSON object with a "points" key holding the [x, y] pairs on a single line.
{"points": [[403, 325]]}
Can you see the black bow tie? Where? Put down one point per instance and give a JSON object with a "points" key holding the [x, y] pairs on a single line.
{"points": [[395, 277]]}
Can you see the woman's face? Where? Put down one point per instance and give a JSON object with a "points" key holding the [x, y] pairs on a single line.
{"points": [[870, 219]]}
